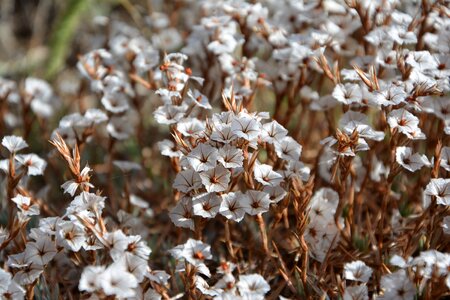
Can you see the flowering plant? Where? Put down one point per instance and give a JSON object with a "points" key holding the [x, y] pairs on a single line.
{"points": [[233, 150]]}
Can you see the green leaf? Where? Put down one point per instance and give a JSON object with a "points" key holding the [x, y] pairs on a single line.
{"points": [[64, 32]]}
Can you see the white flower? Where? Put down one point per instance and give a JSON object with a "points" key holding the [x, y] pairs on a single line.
{"points": [[232, 206], [90, 278], [95, 116], [116, 240], [440, 189], [216, 179], [409, 161], [266, 176], [256, 202], [116, 280], [296, 169], [14, 291], [230, 157], [357, 271], [253, 286], [41, 94], [167, 148], [392, 95], [116, 102], [198, 99], [187, 180], [321, 235], [87, 202], [356, 292], [204, 287], [288, 149], [246, 126], [196, 252], [397, 286], [28, 274], [119, 128], [14, 143], [181, 215], [398, 261], [71, 186], [405, 122], [228, 284], [272, 132], [40, 252], [202, 158], [353, 120], [169, 114], [168, 39], [25, 206], [223, 134], [130, 246], [135, 265], [33, 163], [8, 90], [323, 204], [70, 235], [5, 280], [206, 205], [191, 127], [348, 93], [225, 43], [422, 60], [276, 194], [160, 277], [401, 36]]}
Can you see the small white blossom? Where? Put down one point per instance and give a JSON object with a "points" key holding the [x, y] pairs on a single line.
{"points": [[206, 205], [25, 206], [181, 215], [187, 180], [256, 202], [5, 280], [397, 286], [116, 280], [253, 286], [288, 149], [246, 126], [409, 161], [14, 143], [70, 236], [40, 252], [405, 122], [202, 158], [440, 189], [272, 132], [216, 179], [348, 93], [33, 163], [230, 156], [265, 175], [232, 206], [357, 271], [357, 292], [90, 278]]}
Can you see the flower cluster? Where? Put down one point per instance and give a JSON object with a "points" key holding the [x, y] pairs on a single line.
{"points": [[233, 150]]}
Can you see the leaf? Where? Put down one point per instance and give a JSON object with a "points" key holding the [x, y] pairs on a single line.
{"points": [[62, 39]]}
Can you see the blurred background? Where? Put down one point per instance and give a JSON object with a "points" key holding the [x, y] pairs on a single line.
{"points": [[44, 37]]}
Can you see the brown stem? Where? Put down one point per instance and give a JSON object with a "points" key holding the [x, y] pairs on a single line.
{"points": [[262, 229]]}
